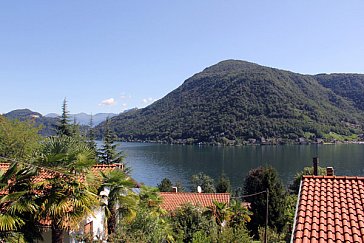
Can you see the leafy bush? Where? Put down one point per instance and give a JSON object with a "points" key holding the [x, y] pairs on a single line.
{"points": [[188, 220], [272, 235]]}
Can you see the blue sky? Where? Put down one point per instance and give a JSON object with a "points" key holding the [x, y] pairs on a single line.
{"points": [[108, 56]]}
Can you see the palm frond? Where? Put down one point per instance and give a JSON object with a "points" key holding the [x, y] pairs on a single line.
{"points": [[10, 222]]}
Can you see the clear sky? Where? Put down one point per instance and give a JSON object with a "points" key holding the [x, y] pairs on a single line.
{"points": [[108, 56]]}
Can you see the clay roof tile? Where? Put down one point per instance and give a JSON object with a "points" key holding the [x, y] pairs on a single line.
{"points": [[356, 238], [331, 209]]}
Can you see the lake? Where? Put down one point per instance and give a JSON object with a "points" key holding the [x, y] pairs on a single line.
{"points": [[151, 163]]}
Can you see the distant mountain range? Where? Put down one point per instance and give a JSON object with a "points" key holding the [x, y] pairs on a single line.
{"points": [[49, 121], [84, 119], [237, 102]]}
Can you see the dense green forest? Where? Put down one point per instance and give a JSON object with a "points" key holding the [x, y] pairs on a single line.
{"points": [[349, 86], [236, 102]]}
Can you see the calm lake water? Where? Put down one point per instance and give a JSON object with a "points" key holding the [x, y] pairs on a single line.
{"points": [[151, 163]]}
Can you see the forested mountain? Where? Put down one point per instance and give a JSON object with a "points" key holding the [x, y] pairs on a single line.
{"points": [[47, 123], [237, 101]]}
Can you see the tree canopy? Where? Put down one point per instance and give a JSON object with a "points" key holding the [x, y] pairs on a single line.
{"points": [[18, 139], [259, 180], [165, 185], [204, 181], [223, 184]]}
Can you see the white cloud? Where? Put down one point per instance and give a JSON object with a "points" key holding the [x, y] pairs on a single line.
{"points": [[108, 102], [148, 100], [124, 105]]}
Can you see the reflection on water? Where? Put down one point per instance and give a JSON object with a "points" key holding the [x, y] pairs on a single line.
{"points": [[151, 163]]}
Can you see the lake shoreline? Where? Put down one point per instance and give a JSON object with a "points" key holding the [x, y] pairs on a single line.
{"points": [[243, 144], [151, 162]]}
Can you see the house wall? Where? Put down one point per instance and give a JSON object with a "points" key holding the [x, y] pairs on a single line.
{"points": [[98, 225], [97, 220]]}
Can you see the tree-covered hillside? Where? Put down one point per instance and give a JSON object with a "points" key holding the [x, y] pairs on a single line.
{"points": [[350, 86], [47, 124], [236, 101]]}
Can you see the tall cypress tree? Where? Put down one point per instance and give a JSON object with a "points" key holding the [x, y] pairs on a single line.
{"points": [[91, 134], [108, 153], [63, 127], [75, 129]]}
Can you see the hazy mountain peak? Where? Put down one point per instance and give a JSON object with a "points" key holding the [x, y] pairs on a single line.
{"points": [[52, 115]]}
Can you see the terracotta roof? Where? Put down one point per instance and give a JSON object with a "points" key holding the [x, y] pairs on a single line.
{"points": [[4, 167], [173, 200], [96, 168], [330, 209], [102, 167], [46, 174]]}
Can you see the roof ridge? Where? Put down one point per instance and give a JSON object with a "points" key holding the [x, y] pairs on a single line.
{"points": [[333, 177], [197, 193]]}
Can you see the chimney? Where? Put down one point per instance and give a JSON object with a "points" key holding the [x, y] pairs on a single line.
{"points": [[174, 189], [330, 171], [315, 162], [199, 189]]}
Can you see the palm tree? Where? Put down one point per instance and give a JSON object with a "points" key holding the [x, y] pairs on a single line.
{"points": [[66, 154], [239, 214], [67, 195], [120, 199], [65, 204], [219, 211], [150, 198], [18, 205], [151, 223]]}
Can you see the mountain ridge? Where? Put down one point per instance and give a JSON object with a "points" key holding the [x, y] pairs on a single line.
{"points": [[49, 121], [47, 124], [84, 119]]}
